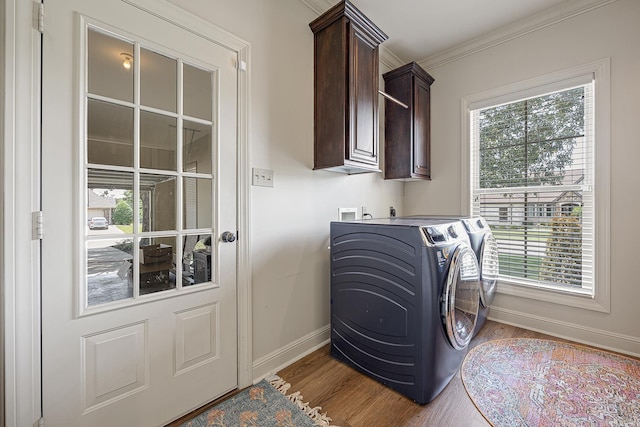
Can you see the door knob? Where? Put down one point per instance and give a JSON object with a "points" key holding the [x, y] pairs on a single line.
{"points": [[228, 237]]}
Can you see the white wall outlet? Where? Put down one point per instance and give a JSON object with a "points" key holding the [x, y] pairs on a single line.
{"points": [[262, 177]]}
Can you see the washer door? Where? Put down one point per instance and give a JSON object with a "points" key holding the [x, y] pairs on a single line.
{"points": [[461, 297], [489, 268]]}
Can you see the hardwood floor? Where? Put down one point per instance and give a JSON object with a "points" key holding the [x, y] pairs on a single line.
{"points": [[354, 400]]}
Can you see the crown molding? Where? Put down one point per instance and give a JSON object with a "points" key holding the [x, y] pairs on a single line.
{"points": [[387, 58], [319, 6], [509, 32], [512, 31]]}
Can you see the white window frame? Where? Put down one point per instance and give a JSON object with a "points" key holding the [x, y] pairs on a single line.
{"points": [[600, 298]]}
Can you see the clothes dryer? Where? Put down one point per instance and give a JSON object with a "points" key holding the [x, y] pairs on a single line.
{"points": [[485, 247], [405, 296]]}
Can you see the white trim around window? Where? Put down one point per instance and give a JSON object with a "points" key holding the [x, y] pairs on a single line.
{"points": [[600, 70]]}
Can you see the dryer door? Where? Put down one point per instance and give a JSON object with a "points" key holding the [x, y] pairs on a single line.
{"points": [[489, 268], [461, 297]]}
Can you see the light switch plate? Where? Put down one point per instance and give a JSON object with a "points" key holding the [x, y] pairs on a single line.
{"points": [[262, 177]]}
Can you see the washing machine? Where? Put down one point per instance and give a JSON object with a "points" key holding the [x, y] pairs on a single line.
{"points": [[485, 246], [405, 296]]}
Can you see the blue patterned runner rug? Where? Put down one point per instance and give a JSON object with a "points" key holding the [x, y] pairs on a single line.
{"points": [[265, 404]]}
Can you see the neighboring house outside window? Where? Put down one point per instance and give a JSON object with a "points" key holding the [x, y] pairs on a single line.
{"points": [[532, 166], [100, 205]]}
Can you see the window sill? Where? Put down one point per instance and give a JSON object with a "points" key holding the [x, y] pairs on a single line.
{"points": [[579, 299]]}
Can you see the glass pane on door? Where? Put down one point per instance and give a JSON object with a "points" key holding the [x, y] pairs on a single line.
{"points": [[196, 259], [198, 92], [156, 264], [109, 66], [197, 145], [158, 141], [197, 203], [158, 80], [109, 227], [109, 202], [110, 133], [158, 202], [109, 270]]}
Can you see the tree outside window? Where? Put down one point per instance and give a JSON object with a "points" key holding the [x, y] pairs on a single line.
{"points": [[530, 183]]}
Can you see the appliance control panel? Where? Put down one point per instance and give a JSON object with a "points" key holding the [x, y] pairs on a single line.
{"points": [[475, 224], [443, 234]]}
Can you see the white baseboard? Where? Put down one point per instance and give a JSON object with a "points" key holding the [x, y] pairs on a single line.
{"points": [[285, 356], [625, 344], [620, 343]]}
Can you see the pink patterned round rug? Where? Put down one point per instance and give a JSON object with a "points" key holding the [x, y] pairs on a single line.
{"points": [[531, 382]]}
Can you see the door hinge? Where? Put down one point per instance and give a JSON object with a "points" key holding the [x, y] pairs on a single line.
{"points": [[39, 423], [39, 17], [241, 65], [37, 225]]}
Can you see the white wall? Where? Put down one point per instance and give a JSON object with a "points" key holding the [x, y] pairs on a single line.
{"points": [[610, 31], [290, 222]]}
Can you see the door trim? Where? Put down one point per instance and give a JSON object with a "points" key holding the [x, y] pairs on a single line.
{"points": [[20, 263]]}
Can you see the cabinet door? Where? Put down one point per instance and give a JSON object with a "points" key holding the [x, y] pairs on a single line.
{"points": [[422, 129], [363, 99]]}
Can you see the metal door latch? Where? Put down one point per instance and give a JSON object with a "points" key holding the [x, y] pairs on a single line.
{"points": [[228, 237]]}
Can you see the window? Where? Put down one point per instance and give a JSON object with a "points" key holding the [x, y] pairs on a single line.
{"points": [[533, 161]]}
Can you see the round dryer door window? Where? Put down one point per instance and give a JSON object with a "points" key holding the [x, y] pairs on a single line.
{"points": [[461, 297], [489, 268]]}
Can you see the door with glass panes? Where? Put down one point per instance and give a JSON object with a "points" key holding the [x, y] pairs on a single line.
{"points": [[138, 183]]}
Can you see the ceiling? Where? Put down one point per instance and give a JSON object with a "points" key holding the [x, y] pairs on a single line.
{"points": [[422, 30]]}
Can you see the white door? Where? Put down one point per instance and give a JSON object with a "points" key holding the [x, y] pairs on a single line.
{"points": [[138, 185]]}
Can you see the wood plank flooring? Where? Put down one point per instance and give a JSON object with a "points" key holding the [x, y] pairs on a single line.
{"points": [[354, 400]]}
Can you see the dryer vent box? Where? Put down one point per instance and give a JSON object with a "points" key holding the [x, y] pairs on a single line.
{"points": [[347, 214]]}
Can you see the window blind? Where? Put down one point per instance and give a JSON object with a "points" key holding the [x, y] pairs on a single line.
{"points": [[532, 179]]}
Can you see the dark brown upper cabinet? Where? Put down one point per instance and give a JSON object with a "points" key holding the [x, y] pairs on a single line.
{"points": [[346, 90], [407, 131]]}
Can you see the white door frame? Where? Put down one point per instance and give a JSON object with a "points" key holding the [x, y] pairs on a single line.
{"points": [[20, 376], [20, 183]]}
